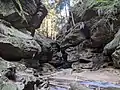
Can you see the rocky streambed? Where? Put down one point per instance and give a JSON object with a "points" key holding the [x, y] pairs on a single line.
{"points": [[64, 79]]}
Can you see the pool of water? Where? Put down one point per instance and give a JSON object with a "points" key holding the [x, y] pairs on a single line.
{"points": [[92, 85]]}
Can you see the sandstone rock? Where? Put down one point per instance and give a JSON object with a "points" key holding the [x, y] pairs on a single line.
{"points": [[25, 14], [46, 53], [74, 37], [111, 46], [101, 34], [16, 45]]}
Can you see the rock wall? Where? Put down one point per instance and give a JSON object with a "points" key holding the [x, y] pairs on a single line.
{"points": [[22, 56], [98, 27]]}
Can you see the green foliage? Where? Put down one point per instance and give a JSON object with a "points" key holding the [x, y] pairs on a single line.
{"points": [[102, 0], [109, 8], [106, 8], [80, 8]]}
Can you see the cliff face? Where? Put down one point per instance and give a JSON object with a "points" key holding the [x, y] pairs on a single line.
{"points": [[19, 51], [16, 20], [89, 29]]}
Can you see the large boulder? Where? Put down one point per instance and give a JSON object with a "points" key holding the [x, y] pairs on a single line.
{"points": [[46, 53], [112, 45], [74, 36], [101, 33], [21, 14], [15, 45], [113, 49]]}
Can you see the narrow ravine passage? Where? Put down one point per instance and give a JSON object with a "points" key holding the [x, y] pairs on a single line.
{"points": [[59, 45]]}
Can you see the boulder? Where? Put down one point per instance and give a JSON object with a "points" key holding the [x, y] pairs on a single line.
{"points": [[15, 45], [57, 59], [21, 14], [101, 34], [46, 53], [113, 49], [112, 45], [47, 69], [24, 78], [73, 37]]}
